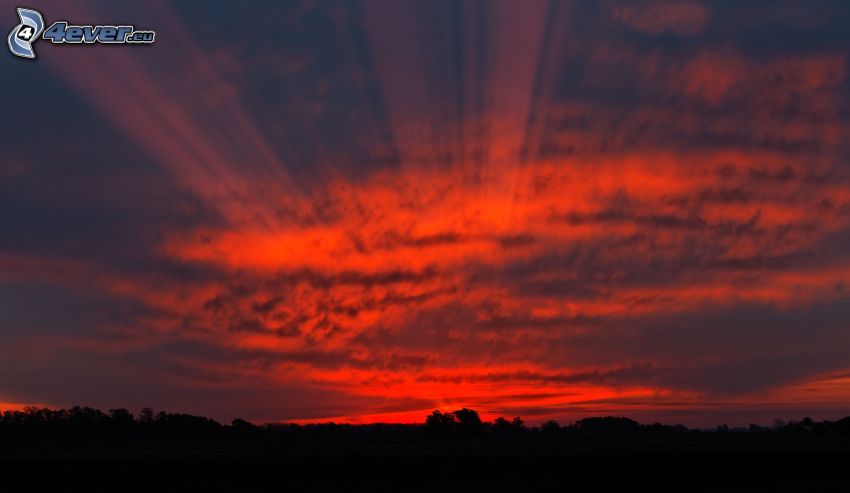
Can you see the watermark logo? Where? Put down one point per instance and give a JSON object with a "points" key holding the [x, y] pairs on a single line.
{"points": [[26, 33], [31, 26]]}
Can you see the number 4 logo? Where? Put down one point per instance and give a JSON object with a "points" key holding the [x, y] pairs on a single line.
{"points": [[25, 32]]}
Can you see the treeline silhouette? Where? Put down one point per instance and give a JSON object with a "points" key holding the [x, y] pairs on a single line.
{"points": [[69, 449], [88, 424]]}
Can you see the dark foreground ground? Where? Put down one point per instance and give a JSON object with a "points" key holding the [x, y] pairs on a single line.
{"points": [[707, 462], [84, 449]]}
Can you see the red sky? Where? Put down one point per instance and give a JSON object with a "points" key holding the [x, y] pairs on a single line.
{"points": [[364, 212]]}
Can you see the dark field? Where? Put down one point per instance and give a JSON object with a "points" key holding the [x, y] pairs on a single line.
{"points": [[84, 449], [694, 463]]}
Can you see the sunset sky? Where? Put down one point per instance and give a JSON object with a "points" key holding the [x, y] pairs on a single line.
{"points": [[365, 211]]}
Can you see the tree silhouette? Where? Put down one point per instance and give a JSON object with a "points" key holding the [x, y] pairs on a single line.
{"points": [[550, 429], [438, 423], [468, 421], [146, 416], [508, 429]]}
